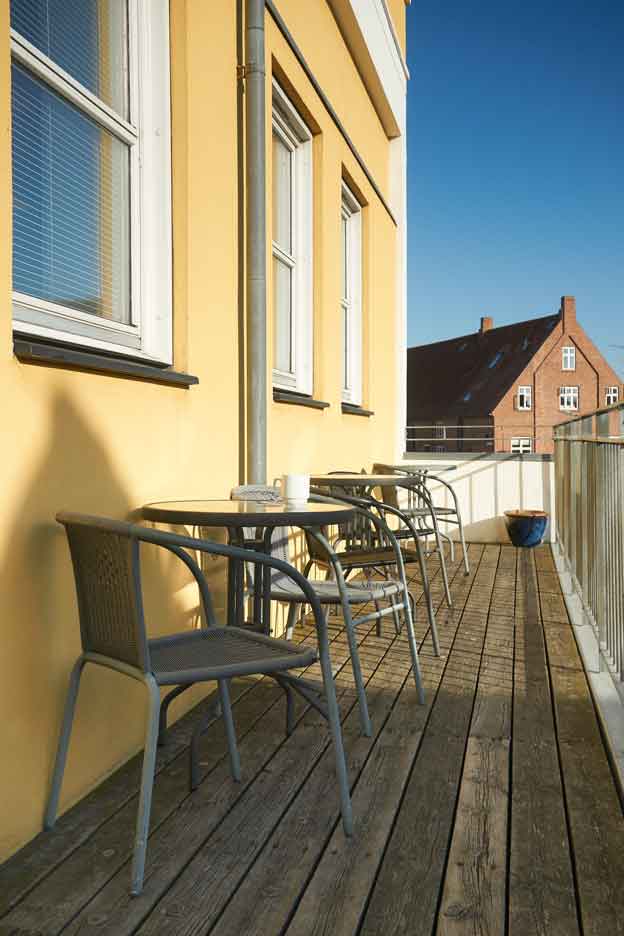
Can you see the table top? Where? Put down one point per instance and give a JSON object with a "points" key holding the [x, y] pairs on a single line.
{"points": [[363, 480], [230, 513]]}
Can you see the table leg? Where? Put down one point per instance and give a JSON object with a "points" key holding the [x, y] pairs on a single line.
{"points": [[266, 586], [236, 582]]}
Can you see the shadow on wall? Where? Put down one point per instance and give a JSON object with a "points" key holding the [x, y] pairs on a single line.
{"points": [[41, 637]]}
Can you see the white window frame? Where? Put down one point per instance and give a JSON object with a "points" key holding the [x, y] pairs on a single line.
{"points": [[351, 304], [522, 445], [612, 395], [290, 127], [568, 358], [569, 399], [525, 398], [147, 133]]}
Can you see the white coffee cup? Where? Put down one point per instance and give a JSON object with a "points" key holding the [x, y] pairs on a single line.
{"points": [[295, 488]]}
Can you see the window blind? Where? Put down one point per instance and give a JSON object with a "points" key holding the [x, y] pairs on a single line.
{"points": [[86, 38], [71, 226]]}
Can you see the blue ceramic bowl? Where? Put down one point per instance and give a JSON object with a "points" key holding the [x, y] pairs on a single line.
{"points": [[526, 527]]}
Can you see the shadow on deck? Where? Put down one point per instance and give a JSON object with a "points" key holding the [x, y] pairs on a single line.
{"points": [[492, 809]]}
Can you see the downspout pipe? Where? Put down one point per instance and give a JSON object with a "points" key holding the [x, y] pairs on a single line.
{"points": [[256, 287]]}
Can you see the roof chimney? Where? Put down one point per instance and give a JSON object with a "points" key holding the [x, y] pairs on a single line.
{"points": [[568, 312], [486, 323]]}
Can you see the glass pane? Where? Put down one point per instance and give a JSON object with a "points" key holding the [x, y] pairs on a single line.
{"points": [[87, 38], [282, 316], [282, 194], [344, 245], [71, 226]]}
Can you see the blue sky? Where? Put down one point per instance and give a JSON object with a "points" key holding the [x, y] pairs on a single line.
{"points": [[515, 165]]}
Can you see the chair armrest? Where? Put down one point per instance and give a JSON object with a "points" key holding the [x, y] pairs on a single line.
{"points": [[179, 545]]}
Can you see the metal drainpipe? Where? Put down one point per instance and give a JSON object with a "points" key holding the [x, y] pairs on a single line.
{"points": [[256, 243]]}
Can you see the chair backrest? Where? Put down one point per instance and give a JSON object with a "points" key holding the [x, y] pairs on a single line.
{"points": [[108, 589], [389, 494]]}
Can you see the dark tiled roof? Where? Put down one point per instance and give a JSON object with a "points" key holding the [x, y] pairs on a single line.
{"points": [[468, 376]]}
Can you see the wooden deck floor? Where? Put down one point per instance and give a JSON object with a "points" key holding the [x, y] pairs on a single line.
{"points": [[490, 810]]}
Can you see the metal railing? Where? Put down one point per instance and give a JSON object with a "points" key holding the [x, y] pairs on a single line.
{"points": [[455, 437], [589, 491]]}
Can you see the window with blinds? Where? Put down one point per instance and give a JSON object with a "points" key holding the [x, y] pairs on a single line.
{"points": [[80, 211]]}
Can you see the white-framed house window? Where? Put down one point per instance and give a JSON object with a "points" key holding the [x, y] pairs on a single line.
{"points": [[92, 174], [568, 358], [568, 398], [351, 296], [521, 446], [524, 399], [612, 395], [292, 219]]}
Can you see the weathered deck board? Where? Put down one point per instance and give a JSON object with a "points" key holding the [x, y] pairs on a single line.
{"points": [[541, 884], [594, 808], [490, 810], [474, 892], [336, 895], [406, 891]]}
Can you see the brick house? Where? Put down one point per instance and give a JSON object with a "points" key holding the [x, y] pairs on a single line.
{"points": [[503, 389]]}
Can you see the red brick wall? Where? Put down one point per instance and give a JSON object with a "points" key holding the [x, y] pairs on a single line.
{"points": [[545, 375]]}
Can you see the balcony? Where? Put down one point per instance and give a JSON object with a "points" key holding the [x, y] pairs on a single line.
{"points": [[493, 808]]}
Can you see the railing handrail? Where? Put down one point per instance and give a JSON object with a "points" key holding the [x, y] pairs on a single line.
{"points": [[601, 440], [589, 413]]}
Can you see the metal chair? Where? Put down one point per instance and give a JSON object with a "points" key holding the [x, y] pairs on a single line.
{"points": [[375, 555], [420, 513], [336, 592], [105, 557], [451, 515]]}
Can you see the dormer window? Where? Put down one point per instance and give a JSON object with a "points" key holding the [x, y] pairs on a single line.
{"points": [[524, 398], [568, 358]]}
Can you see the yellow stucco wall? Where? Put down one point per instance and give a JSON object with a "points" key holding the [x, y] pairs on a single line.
{"points": [[106, 445]]}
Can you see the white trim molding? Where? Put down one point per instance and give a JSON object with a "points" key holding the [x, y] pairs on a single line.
{"points": [[368, 32], [291, 130], [351, 297]]}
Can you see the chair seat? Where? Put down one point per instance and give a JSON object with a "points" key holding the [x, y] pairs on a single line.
{"points": [[328, 593], [215, 652], [372, 558], [405, 533]]}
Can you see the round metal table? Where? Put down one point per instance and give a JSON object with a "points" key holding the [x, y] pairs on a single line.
{"points": [[235, 516]]}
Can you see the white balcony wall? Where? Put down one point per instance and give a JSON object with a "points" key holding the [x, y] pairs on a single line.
{"points": [[487, 486]]}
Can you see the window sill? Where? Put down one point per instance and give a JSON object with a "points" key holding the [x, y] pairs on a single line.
{"points": [[352, 410], [297, 399], [61, 355]]}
